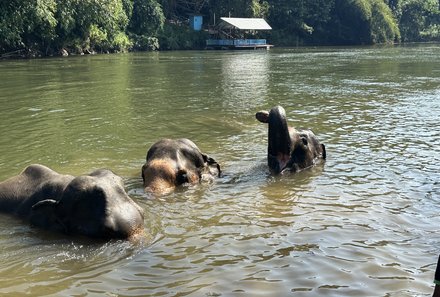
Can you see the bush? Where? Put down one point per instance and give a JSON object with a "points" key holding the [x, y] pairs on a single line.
{"points": [[181, 36], [98, 39], [121, 42], [144, 43]]}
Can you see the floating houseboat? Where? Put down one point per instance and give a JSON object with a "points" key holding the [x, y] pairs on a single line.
{"points": [[233, 33]]}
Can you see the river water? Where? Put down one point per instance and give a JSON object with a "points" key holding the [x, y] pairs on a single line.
{"points": [[364, 223]]}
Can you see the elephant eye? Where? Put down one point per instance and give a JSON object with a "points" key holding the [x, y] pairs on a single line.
{"points": [[182, 177], [304, 140]]}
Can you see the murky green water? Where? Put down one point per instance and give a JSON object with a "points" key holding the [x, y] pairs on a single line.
{"points": [[366, 223]]}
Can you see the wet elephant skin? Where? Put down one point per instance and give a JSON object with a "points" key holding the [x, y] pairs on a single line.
{"points": [[174, 162], [94, 205], [289, 149]]}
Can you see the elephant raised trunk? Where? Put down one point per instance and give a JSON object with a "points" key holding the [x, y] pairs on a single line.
{"points": [[288, 148]]}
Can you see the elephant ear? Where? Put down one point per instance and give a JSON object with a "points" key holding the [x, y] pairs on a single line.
{"points": [[142, 172], [212, 164], [324, 153], [44, 215]]}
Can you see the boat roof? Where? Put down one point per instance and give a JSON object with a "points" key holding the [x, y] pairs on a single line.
{"points": [[244, 23]]}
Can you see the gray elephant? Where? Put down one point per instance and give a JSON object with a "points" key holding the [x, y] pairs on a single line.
{"points": [[173, 162], [94, 205], [289, 149]]}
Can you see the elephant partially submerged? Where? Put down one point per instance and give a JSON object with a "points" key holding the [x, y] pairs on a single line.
{"points": [[94, 205], [173, 162], [289, 149]]}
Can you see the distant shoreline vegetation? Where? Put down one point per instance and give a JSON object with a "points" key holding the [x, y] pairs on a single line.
{"points": [[65, 27]]}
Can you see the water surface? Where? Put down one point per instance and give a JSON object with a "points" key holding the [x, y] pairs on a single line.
{"points": [[365, 223]]}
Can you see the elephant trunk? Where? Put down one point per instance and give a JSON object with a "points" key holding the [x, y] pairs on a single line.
{"points": [[280, 143]]}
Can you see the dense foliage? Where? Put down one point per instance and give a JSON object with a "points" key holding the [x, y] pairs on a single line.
{"points": [[50, 27]]}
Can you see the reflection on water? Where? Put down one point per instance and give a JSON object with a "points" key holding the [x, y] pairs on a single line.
{"points": [[364, 223], [244, 80]]}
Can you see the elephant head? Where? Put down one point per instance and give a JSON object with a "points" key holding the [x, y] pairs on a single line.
{"points": [[173, 162], [94, 205], [289, 149]]}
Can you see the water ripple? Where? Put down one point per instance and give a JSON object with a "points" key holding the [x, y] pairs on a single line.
{"points": [[365, 220]]}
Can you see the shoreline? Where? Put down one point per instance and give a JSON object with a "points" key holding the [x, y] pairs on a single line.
{"points": [[26, 54]]}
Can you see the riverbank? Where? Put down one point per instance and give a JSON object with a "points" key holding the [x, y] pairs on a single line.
{"points": [[24, 54]]}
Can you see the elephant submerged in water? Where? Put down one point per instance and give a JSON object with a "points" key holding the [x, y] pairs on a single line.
{"points": [[289, 149], [174, 162], [94, 205]]}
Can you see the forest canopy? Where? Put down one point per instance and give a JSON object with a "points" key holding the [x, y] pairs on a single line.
{"points": [[52, 27]]}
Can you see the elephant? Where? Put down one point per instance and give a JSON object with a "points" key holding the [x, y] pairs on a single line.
{"points": [[174, 162], [289, 149], [436, 292], [94, 205]]}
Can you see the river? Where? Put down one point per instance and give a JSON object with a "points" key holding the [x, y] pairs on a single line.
{"points": [[364, 223]]}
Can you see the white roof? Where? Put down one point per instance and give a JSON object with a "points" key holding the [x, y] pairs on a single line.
{"points": [[245, 23]]}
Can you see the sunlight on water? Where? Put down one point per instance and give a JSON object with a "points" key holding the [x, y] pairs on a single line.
{"points": [[364, 223]]}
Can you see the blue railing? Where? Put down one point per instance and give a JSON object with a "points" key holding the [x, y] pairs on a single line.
{"points": [[239, 42], [219, 42], [235, 42]]}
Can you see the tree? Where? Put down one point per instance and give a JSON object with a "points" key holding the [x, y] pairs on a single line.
{"points": [[384, 28], [147, 18], [92, 24], [364, 22], [43, 27], [241, 8], [300, 20], [176, 9], [27, 24], [419, 20], [393, 4]]}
